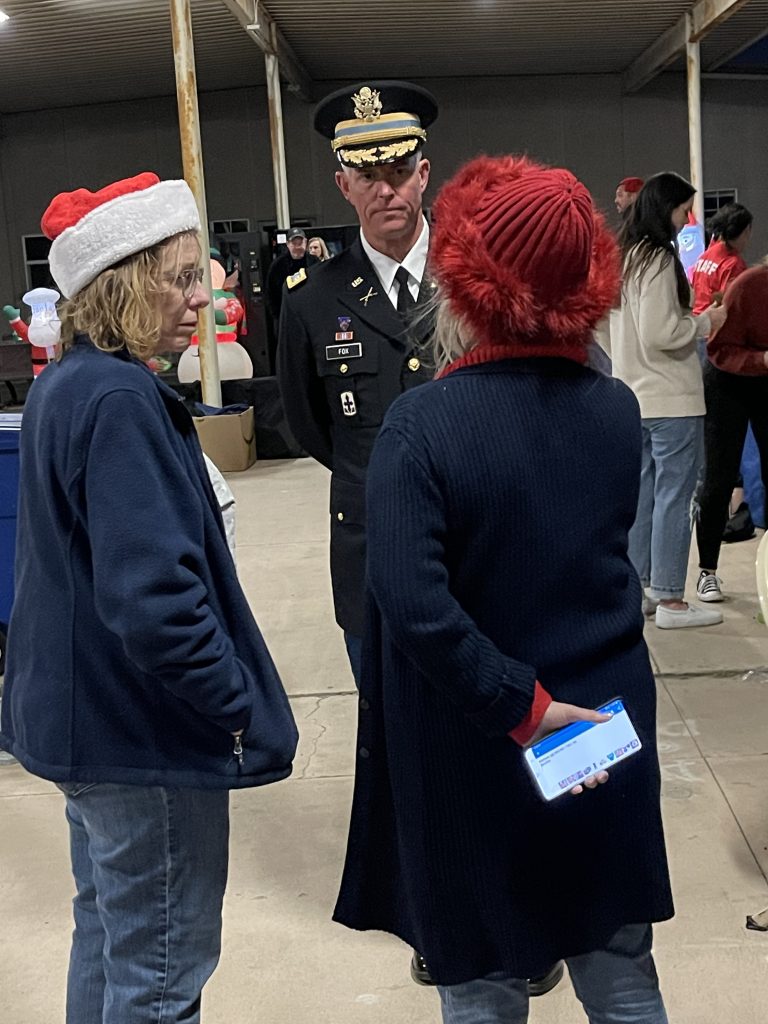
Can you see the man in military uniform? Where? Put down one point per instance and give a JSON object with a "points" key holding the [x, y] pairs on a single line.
{"points": [[351, 335], [348, 343]]}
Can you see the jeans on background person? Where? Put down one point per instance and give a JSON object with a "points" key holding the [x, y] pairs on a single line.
{"points": [[660, 540], [733, 402], [150, 868], [615, 985], [754, 489]]}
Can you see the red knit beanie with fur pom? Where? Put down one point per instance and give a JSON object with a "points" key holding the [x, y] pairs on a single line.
{"points": [[523, 257]]}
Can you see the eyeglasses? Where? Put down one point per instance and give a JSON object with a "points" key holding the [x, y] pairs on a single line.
{"points": [[187, 280]]}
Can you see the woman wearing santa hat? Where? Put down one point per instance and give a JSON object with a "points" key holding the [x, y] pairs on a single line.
{"points": [[503, 605], [137, 679]]}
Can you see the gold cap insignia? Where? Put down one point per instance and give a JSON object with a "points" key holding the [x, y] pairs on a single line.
{"points": [[367, 104]]}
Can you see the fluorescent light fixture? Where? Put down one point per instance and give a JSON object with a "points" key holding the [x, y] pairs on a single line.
{"points": [[4, 17]]}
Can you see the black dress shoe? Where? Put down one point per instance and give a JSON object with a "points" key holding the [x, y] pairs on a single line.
{"points": [[543, 983], [420, 971]]}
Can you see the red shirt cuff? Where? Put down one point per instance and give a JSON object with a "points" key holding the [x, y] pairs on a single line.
{"points": [[541, 700]]}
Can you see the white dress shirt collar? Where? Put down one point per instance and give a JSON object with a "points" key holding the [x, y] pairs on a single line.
{"points": [[415, 263]]}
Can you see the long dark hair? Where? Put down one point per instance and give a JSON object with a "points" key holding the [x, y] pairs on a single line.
{"points": [[729, 222], [648, 229]]}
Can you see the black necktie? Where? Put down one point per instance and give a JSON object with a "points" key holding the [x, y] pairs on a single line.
{"points": [[405, 301]]}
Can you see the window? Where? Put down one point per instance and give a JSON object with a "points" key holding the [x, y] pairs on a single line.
{"points": [[36, 269], [230, 227], [715, 198]]}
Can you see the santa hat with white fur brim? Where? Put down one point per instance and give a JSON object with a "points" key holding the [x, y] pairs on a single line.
{"points": [[92, 231]]}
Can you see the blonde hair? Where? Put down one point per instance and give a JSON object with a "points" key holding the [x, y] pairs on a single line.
{"points": [[325, 255], [451, 337], [120, 308]]}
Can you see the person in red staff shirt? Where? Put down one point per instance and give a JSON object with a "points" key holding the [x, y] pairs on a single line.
{"points": [[722, 261]]}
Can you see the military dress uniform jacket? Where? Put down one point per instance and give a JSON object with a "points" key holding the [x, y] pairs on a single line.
{"points": [[344, 355]]}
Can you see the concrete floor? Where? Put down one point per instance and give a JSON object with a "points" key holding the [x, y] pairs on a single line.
{"points": [[283, 959]]}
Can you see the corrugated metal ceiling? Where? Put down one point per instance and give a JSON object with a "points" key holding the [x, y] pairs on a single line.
{"points": [[67, 52], [744, 28], [431, 38]]}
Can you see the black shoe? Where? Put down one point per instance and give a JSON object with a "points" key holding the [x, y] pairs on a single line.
{"points": [[543, 983], [420, 971]]}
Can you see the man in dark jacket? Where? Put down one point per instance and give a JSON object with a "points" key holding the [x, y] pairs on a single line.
{"points": [[290, 263]]}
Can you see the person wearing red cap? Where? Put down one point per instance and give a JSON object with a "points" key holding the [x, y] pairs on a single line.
{"points": [[626, 193], [137, 679], [502, 604]]}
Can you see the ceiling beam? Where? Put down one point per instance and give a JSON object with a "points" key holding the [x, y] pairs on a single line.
{"points": [[726, 58], [263, 30], [658, 56], [701, 19], [708, 14]]}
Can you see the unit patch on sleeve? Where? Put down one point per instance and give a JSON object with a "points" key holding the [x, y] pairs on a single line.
{"points": [[348, 406]]}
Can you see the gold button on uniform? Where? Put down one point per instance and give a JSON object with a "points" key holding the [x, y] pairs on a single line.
{"points": [[413, 364], [340, 516], [343, 368]]}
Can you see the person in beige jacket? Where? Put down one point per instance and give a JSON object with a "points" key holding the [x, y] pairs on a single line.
{"points": [[653, 347]]}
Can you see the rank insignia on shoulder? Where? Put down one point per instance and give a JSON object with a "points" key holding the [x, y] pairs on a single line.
{"points": [[358, 281], [348, 406], [297, 278]]}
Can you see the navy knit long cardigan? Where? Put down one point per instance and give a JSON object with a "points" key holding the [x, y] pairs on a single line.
{"points": [[499, 501]]}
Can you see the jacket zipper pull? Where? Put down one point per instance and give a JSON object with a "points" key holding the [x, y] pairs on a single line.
{"points": [[238, 749]]}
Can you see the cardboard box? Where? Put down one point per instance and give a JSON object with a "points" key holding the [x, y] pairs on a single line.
{"points": [[229, 439]]}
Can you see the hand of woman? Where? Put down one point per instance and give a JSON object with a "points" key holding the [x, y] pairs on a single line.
{"points": [[717, 317], [559, 715]]}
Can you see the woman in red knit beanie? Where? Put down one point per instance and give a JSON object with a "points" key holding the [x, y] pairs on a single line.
{"points": [[503, 605]]}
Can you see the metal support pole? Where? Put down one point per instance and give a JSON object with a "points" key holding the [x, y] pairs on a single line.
{"points": [[192, 158], [694, 127], [279, 167]]}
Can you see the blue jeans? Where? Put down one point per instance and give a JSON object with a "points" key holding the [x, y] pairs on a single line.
{"points": [[615, 985], [150, 867], [660, 540]]}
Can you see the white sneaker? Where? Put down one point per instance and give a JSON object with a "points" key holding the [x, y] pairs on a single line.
{"points": [[708, 587], [671, 618]]}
